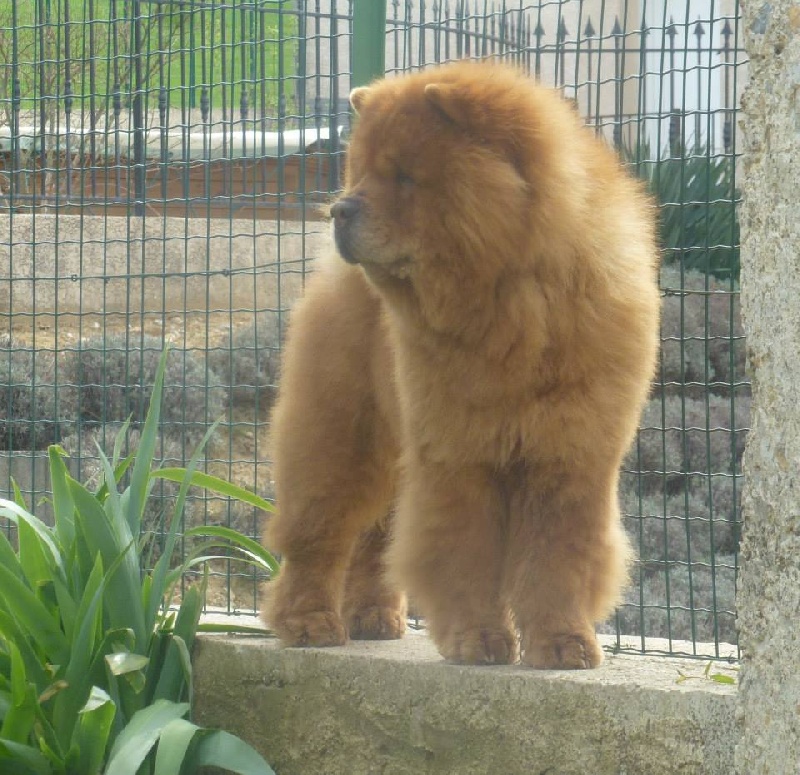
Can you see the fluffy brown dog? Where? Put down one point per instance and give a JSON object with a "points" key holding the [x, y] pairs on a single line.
{"points": [[476, 365]]}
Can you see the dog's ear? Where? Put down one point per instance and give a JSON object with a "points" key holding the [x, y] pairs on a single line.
{"points": [[358, 98], [451, 101]]}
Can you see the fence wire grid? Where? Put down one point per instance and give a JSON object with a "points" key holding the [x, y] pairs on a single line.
{"points": [[164, 166]]}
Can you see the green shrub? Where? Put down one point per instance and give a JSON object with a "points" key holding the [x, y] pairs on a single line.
{"points": [[681, 487], [27, 398], [104, 383], [678, 528], [697, 196], [678, 437], [684, 602], [95, 669], [681, 503], [702, 338], [89, 445], [110, 379], [248, 362]]}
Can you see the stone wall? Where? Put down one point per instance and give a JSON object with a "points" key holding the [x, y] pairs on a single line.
{"points": [[137, 266], [769, 581]]}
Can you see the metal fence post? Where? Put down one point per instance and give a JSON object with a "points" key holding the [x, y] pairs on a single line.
{"points": [[369, 40], [137, 109]]}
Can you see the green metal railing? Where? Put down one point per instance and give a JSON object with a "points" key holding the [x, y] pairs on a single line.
{"points": [[369, 44], [164, 169]]}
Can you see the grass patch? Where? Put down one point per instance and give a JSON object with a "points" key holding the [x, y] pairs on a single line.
{"points": [[189, 50]]}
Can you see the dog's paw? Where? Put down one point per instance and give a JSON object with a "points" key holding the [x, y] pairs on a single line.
{"points": [[377, 623], [481, 646], [314, 628], [564, 652]]}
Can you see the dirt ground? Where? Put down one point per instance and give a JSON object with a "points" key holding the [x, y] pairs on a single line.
{"points": [[195, 329]]}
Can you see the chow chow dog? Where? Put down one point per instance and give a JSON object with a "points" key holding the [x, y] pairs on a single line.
{"points": [[464, 376]]}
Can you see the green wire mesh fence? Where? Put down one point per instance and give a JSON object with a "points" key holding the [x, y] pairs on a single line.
{"points": [[164, 166]]}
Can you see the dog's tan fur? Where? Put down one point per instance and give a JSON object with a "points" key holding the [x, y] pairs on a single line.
{"points": [[476, 371]]}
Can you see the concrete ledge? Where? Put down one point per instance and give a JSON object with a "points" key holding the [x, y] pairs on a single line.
{"points": [[395, 707]]}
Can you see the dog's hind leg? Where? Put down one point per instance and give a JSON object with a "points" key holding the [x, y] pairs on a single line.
{"points": [[373, 608]]}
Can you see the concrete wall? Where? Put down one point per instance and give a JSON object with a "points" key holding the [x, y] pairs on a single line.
{"points": [[769, 581], [395, 708], [147, 265]]}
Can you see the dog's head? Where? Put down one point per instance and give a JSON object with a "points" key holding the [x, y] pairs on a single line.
{"points": [[444, 165]]}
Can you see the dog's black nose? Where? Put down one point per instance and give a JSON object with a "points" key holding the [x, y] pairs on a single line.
{"points": [[345, 209]]}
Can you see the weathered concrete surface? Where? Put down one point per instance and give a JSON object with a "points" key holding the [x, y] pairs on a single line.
{"points": [[93, 264], [395, 708], [769, 582]]}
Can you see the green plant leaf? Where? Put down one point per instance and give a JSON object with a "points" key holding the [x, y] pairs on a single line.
{"points": [[172, 678], [88, 636], [18, 682], [36, 562], [13, 633], [160, 573], [159, 644], [18, 720], [236, 539], [122, 662], [19, 498], [50, 750], [9, 559], [133, 668], [22, 759], [67, 607], [176, 574], [721, 678], [15, 513], [28, 610], [189, 612], [173, 745], [140, 735], [217, 485], [143, 462], [120, 639], [243, 629], [112, 503], [63, 506], [91, 735], [87, 632], [176, 670], [175, 677], [216, 748], [124, 607], [119, 471]]}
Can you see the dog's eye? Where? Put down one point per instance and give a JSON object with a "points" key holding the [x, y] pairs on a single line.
{"points": [[403, 178]]}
